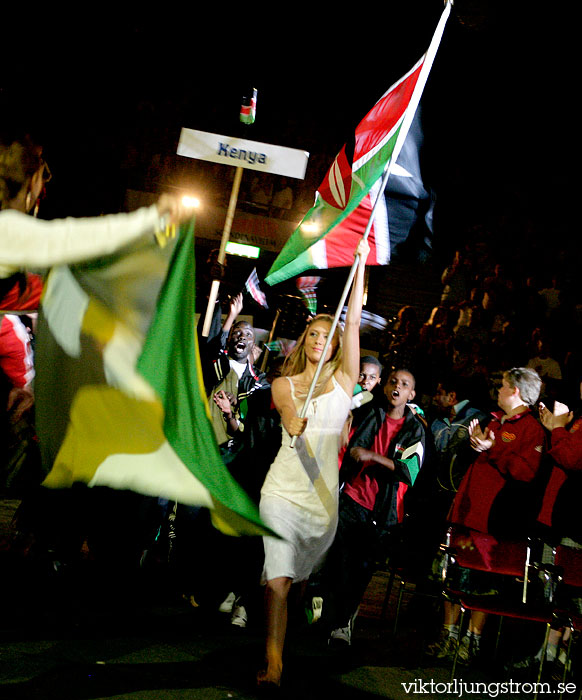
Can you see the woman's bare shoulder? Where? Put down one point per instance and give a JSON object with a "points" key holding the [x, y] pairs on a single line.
{"points": [[281, 385], [345, 381]]}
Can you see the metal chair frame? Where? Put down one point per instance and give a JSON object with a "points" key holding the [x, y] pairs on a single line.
{"points": [[512, 567]]}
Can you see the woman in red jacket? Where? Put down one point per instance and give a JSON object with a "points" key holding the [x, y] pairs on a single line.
{"points": [[497, 493], [560, 509]]}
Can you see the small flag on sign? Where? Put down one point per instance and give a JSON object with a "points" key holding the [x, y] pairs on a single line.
{"points": [[248, 109], [307, 287], [252, 287]]}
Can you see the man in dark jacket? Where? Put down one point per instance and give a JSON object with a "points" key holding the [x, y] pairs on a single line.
{"points": [[383, 459], [229, 376], [451, 453]]}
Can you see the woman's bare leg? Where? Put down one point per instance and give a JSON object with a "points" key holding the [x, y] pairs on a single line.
{"points": [[477, 622], [276, 595], [452, 613]]}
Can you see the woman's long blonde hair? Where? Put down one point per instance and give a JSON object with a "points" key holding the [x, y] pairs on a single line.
{"points": [[296, 361]]}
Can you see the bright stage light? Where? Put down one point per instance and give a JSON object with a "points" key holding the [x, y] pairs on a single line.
{"points": [[190, 202]]}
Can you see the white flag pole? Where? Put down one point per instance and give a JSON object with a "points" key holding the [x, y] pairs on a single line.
{"points": [[222, 252], [403, 132]]}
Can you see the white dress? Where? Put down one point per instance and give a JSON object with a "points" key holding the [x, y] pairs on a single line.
{"points": [[299, 498]]}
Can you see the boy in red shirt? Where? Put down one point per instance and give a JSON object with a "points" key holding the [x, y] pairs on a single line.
{"points": [[383, 459]]}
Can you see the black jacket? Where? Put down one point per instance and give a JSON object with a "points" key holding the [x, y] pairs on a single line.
{"points": [[406, 450]]}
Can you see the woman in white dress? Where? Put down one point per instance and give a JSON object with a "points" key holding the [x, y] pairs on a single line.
{"points": [[299, 498]]}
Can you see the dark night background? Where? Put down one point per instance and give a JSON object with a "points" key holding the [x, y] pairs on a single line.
{"points": [[112, 92]]}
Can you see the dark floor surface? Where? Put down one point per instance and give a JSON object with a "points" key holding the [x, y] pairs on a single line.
{"points": [[83, 634]]}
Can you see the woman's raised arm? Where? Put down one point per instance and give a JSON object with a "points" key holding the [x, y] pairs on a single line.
{"points": [[351, 340]]}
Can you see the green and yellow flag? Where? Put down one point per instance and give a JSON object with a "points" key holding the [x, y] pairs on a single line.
{"points": [[120, 397]]}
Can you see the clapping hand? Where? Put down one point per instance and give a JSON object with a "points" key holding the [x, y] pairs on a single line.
{"points": [[480, 440], [558, 419]]}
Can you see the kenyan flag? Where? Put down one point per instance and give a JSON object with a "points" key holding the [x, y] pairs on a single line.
{"points": [[248, 109], [344, 201]]}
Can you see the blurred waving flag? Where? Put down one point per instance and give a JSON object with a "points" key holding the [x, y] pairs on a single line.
{"points": [[307, 287], [328, 234], [120, 400], [253, 288]]}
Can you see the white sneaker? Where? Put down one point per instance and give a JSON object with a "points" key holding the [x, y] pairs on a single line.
{"points": [[239, 616], [343, 635], [314, 614], [227, 604]]}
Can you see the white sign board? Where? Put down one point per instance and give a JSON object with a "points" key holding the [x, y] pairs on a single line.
{"points": [[253, 155]]}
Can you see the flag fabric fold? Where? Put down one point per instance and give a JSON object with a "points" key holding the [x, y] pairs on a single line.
{"points": [[409, 201], [119, 395], [328, 234]]}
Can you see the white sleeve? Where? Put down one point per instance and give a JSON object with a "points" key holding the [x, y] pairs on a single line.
{"points": [[29, 242]]}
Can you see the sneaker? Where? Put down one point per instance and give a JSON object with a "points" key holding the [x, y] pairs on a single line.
{"points": [[314, 612], [227, 604], [239, 616], [468, 650], [524, 664], [341, 635], [561, 670], [445, 646]]}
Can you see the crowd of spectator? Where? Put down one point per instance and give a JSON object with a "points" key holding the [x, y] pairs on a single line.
{"points": [[488, 321]]}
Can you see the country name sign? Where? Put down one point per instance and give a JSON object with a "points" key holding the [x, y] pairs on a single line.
{"points": [[242, 153]]}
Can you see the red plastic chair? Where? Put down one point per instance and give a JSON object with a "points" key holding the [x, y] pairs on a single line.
{"points": [[569, 563], [512, 558]]}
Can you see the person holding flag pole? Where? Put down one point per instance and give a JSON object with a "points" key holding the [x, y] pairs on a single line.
{"points": [[392, 129], [299, 498]]}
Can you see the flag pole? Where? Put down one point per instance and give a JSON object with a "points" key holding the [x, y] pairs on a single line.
{"points": [[222, 252], [271, 335]]}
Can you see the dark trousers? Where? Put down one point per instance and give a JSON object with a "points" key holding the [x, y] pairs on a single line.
{"points": [[350, 564]]}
